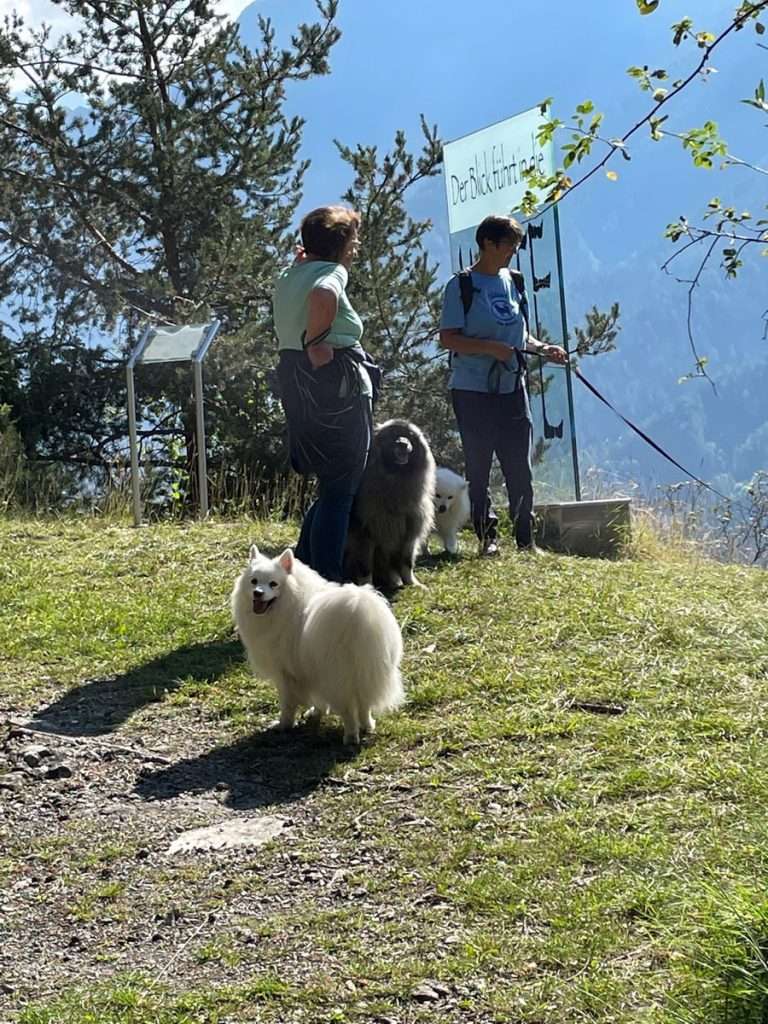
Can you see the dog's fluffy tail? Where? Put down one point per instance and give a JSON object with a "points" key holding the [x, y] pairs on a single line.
{"points": [[353, 635], [375, 649], [379, 651]]}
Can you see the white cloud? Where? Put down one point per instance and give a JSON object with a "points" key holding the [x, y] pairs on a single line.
{"points": [[232, 8], [37, 12]]}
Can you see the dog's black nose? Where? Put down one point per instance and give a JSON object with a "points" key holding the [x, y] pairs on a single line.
{"points": [[441, 508]]}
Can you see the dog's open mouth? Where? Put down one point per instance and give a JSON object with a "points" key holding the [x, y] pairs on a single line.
{"points": [[260, 606]]}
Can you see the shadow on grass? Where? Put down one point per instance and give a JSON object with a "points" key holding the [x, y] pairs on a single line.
{"points": [[745, 986], [99, 706], [438, 560], [270, 767]]}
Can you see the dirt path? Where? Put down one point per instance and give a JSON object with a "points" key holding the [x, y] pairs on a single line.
{"points": [[87, 819]]}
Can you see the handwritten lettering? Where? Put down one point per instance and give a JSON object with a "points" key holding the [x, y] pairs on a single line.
{"points": [[494, 170]]}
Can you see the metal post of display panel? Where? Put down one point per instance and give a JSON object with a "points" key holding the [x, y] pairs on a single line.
{"points": [[132, 431], [202, 470], [135, 489], [568, 377]]}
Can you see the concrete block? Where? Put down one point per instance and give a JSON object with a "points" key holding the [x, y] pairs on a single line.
{"points": [[597, 528]]}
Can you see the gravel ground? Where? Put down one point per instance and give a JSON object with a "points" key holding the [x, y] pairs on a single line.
{"points": [[90, 891]]}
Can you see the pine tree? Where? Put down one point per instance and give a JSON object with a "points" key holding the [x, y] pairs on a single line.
{"points": [[393, 286], [167, 195]]}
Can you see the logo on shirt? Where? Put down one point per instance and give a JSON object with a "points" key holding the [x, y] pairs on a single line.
{"points": [[502, 310]]}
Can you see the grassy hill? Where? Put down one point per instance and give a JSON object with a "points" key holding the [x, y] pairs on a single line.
{"points": [[567, 822]]}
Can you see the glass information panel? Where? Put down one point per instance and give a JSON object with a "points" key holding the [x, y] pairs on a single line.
{"points": [[173, 344]]}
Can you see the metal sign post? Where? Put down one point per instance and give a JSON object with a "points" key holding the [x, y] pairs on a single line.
{"points": [[165, 345], [568, 374]]}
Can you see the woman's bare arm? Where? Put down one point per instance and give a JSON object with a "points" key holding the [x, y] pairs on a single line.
{"points": [[322, 306]]}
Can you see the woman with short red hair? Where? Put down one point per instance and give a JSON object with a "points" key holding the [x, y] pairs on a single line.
{"points": [[325, 381]]}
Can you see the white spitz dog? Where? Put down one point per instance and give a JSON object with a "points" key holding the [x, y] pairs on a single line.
{"points": [[452, 509], [325, 646]]}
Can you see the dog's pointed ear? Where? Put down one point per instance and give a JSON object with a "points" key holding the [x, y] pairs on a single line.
{"points": [[254, 552], [286, 560]]}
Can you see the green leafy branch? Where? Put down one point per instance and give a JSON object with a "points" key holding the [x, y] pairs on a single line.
{"points": [[759, 98], [704, 143], [732, 243]]}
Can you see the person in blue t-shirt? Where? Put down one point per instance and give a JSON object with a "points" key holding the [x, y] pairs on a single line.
{"points": [[487, 380]]}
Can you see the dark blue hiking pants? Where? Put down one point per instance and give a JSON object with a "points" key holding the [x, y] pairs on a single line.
{"points": [[497, 424]]}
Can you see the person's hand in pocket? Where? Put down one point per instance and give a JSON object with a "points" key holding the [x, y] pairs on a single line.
{"points": [[320, 354]]}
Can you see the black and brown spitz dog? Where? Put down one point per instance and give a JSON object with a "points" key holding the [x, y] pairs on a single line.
{"points": [[393, 511]]}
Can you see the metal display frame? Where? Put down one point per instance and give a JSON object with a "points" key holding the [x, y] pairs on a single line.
{"points": [[568, 374], [207, 333]]}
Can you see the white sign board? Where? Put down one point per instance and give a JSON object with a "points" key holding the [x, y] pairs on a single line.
{"points": [[169, 345], [484, 170]]}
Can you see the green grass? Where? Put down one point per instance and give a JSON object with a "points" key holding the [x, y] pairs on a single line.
{"points": [[546, 863], [137, 1000]]}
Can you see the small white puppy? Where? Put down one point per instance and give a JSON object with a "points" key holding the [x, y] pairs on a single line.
{"points": [[451, 507], [325, 646]]}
